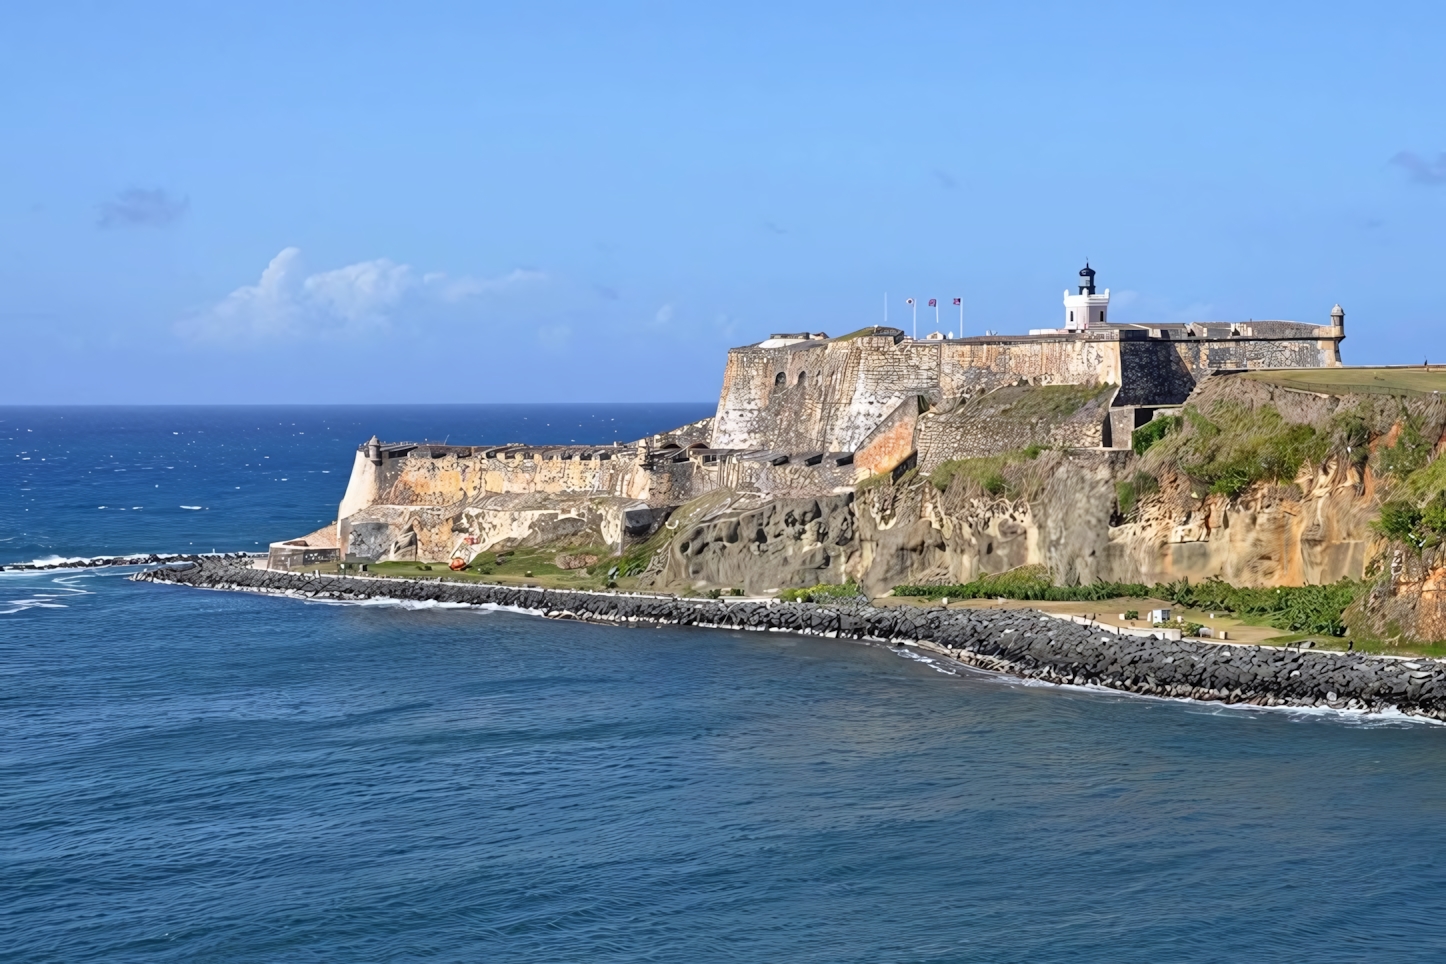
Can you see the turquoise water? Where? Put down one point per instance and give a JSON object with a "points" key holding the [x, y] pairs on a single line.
{"points": [[196, 776]]}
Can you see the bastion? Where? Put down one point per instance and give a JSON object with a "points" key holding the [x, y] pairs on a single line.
{"points": [[803, 419]]}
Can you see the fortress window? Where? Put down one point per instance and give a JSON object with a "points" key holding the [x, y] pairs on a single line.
{"points": [[802, 377], [1071, 317], [780, 378]]}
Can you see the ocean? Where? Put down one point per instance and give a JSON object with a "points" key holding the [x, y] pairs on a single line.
{"points": [[198, 776]]}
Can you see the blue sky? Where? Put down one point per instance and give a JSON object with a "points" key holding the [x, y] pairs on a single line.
{"points": [[592, 202]]}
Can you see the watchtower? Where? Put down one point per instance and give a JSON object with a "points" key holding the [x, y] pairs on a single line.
{"points": [[1085, 308]]}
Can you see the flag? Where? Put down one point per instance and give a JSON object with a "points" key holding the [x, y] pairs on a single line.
{"points": [[933, 302], [958, 301], [908, 301]]}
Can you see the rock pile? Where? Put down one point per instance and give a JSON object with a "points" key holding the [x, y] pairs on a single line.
{"points": [[1018, 642]]}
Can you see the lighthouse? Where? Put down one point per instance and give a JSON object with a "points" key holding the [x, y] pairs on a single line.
{"points": [[1085, 308]]}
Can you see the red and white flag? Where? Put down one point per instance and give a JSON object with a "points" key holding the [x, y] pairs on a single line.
{"points": [[933, 302], [958, 301]]}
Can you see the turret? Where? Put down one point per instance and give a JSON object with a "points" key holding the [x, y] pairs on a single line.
{"points": [[1086, 308], [374, 450]]}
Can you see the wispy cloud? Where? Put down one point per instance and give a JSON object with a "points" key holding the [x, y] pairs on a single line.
{"points": [[287, 301], [139, 207], [1420, 169], [459, 289], [663, 315], [946, 180]]}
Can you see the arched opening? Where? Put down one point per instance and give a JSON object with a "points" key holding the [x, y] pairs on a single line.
{"points": [[780, 378], [802, 377]]}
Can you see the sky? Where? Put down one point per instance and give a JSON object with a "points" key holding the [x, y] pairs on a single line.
{"points": [[542, 201]]}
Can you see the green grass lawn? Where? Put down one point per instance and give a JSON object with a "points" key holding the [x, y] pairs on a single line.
{"points": [[1371, 381], [519, 566]]}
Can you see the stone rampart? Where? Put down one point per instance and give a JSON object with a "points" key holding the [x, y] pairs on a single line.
{"points": [[829, 394], [1017, 642]]}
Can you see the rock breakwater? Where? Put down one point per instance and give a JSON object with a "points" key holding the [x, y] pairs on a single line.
{"points": [[135, 559], [1021, 643]]}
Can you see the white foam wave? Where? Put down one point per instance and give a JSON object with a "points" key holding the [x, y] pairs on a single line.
{"points": [[45, 600], [1390, 716], [194, 508]]}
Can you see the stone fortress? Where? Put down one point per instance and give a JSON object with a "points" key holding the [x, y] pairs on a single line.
{"points": [[802, 421]]}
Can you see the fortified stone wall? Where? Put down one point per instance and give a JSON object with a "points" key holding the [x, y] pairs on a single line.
{"points": [[830, 394], [1164, 367]]}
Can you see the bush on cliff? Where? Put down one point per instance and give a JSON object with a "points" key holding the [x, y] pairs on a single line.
{"points": [[1237, 446], [986, 473], [822, 593], [1151, 432], [1301, 609], [1129, 492]]}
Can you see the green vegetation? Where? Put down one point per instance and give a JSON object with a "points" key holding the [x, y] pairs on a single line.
{"points": [[1132, 614], [986, 472], [1362, 381], [1308, 609], [1423, 527], [1409, 454], [1052, 402], [1151, 432], [1236, 446], [821, 593], [1130, 492], [515, 566]]}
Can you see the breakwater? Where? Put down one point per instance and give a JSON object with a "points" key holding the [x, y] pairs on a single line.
{"points": [[1021, 643], [135, 559]]}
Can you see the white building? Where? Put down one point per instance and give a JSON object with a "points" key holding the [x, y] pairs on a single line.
{"points": [[1086, 308]]}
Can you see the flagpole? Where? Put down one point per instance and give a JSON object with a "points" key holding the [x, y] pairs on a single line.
{"points": [[916, 321], [961, 317], [936, 314], [886, 309]]}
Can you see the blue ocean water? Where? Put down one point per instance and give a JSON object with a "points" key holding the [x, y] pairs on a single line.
{"points": [[198, 776], [88, 481]]}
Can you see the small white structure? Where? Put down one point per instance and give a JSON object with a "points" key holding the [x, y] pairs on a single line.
{"points": [[1086, 308], [1158, 616]]}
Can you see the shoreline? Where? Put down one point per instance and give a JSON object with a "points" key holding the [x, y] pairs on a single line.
{"points": [[1017, 642], [134, 559]]}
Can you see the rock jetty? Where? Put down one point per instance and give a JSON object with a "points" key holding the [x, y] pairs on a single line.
{"points": [[138, 559], [1022, 643]]}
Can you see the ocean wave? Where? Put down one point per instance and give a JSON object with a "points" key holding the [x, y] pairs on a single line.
{"points": [[1352, 717], [45, 600]]}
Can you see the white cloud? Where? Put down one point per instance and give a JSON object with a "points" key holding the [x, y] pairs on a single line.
{"points": [[457, 289], [664, 315], [287, 301]]}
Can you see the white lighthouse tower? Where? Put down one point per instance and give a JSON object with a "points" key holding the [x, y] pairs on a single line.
{"points": [[1086, 308]]}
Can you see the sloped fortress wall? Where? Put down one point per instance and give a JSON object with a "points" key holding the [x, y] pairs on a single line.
{"points": [[830, 394], [801, 393]]}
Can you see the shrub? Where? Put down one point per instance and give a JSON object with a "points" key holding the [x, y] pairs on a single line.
{"points": [[1399, 520], [1131, 491], [821, 593], [1238, 446], [1411, 451], [1308, 609], [1151, 432], [1132, 614]]}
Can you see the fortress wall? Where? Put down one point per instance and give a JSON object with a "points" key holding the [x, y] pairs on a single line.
{"points": [[1162, 371], [971, 367], [451, 479], [849, 386]]}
